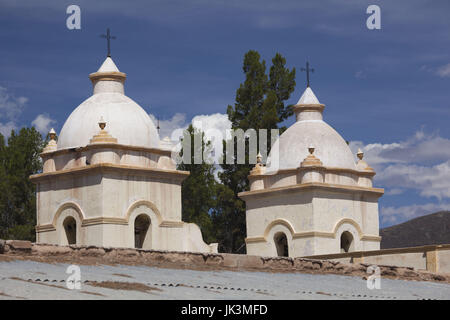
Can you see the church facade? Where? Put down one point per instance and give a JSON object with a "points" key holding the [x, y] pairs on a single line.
{"points": [[109, 181], [312, 197]]}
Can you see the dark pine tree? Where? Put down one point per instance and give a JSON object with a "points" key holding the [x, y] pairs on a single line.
{"points": [[199, 189], [260, 104], [18, 160]]}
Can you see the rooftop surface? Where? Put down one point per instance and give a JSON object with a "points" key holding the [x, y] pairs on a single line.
{"points": [[24, 279]]}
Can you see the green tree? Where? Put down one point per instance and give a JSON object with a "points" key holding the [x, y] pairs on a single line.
{"points": [[260, 104], [18, 160], [198, 190], [4, 190], [260, 100], [228, 221]]}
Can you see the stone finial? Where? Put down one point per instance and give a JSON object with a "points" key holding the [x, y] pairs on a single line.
{"points": [[51, 145], [362, 165], [102, 123], [103, 136], [259, 166], [259, 158], [52, 134], [360, 154], [311, 160]]}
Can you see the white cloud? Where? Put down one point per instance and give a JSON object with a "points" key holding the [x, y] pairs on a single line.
{"points": [[420, 148], [42, 123], [213, 125], [167, 127], [207, 123], [420, 164], [5, 129], [394, 215], [433, 181], [394, 192], [216, 121], [443, 71], [10, 108]]}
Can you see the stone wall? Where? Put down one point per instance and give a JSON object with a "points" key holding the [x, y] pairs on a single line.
{"points": [[91, 255], [433, 258]]}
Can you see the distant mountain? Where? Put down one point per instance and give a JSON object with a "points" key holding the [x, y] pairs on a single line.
{"points": [[430, 229]]}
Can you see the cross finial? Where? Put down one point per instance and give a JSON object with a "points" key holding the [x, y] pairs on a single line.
{"points": [[108, 40], [307, 69]]}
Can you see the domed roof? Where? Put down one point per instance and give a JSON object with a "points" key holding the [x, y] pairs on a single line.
{"points": [[310, 130], [125, 119]]}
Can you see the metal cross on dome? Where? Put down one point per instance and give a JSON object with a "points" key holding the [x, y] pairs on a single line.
{"points": [[108, 40], [307, 69]]}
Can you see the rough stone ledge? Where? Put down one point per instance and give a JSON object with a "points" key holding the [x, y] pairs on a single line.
{"points": [[15, 246], [92, 255], [2, 246]]}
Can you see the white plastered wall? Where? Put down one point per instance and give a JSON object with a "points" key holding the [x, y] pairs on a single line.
{"points": [[330, 213], [119, 196]]}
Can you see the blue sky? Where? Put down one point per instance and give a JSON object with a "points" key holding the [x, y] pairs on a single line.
{"points": [[386, 91]]}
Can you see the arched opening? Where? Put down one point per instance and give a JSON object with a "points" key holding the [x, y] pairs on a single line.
{"points": [[347, 243], [141, 234], [70, 227], [281, 244]]}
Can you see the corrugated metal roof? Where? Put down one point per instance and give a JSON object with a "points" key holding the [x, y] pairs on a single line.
{"points": [[22, 279]]}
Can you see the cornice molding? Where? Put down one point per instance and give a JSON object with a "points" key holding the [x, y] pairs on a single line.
{"points": [[108, 76], [311, 185], [108, 220], [110, 167], [117, 146]]}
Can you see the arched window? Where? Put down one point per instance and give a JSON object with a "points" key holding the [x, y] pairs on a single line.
{"points": [[70, 227], [347, 243], [281, 244], [142, 237]]}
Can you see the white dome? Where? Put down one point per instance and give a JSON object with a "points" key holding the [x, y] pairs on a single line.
{"points": [[309, 130], [125, 119], [330, 147]]}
